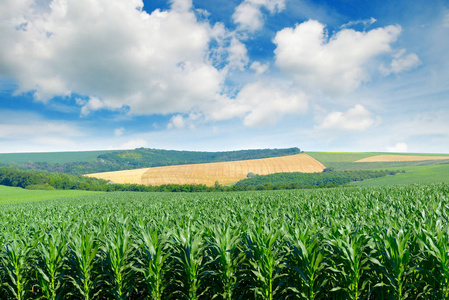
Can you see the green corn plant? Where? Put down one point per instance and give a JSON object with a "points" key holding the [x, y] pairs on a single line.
{"points": [[17, 261], [51, 269], [2, 269], [351, 251], [395, 262], [436, 249], [266, 261], [119, 251], [83, 262], [152, 260], [307, 260], [187, 248], [226, 258]]}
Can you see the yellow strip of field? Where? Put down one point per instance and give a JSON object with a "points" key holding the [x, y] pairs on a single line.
{"points": [[126, 176], [229, 172], [393, 158], [208, 174]]}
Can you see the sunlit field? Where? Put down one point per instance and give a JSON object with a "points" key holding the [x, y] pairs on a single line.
{"points": [[344, 243]]}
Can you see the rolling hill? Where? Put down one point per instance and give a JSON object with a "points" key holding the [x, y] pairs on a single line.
{"points": [[208, 174]]}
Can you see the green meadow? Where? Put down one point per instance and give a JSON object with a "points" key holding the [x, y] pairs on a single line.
{"points": [[413, 174], [19, 195]]}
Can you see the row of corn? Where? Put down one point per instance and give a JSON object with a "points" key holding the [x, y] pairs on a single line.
{"points": [[370, 243]]}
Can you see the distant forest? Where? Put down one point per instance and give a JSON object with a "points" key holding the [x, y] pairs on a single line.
{"points": [[32, 179], [147, 158]]}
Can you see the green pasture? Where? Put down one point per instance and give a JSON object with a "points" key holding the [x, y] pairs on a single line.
{"points": [[336, 158], [327, 157], [19, 195], [413, 174]]}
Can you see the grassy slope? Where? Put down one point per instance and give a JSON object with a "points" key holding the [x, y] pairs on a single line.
{"points": [[19, 195], [51, 157], [416, 174], [329, 157], [416, 171], [349, 157]]}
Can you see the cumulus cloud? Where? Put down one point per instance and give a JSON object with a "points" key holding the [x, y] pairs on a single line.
{"points": [[399, 148], [401, 63], [177, 122], [259, 68], [237, 57], [357, 118], [151, 63], [333, 65], [260, 104], [249, 16], [90, 105]]}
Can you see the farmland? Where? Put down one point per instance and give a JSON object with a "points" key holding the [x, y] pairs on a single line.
{"points": [[344, 243], [208, 174], [391, 158], [418, 167], [18, 195]]}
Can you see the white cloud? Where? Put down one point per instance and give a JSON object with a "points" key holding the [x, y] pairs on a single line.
{"points": [[151, 63], [332, 65], [399, 148], [401, 63], [237, 57], [248, 15], [180, 5], [119, 131], [91, 105], [357, 118], [177, 122], [365, 23], [259, 68], [260, 104]]}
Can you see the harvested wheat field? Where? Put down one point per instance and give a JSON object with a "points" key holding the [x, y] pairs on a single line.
{"points": [[126, 176], [208, 174], [393, 158]]}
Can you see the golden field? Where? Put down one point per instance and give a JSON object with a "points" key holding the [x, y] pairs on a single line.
{"points": [[126, 176], [393, 158], [208, 174]]}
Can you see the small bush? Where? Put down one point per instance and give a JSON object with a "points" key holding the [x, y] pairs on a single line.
{"points": [[251, 175]]}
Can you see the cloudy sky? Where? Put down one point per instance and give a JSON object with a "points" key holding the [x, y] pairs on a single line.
{"points": [[335, 75]]}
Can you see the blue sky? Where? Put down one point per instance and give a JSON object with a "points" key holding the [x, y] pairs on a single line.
{"points": [[340, 75]]}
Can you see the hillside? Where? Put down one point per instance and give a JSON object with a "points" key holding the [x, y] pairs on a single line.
{"points": [[208, 174], [79, 163], [51, 157], [418, 167]]}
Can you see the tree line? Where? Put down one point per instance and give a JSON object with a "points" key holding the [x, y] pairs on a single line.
{"points": [[32, 179], [296, 180]]}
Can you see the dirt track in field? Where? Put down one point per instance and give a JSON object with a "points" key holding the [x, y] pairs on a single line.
{"points": [[208, 174], [393, 158]]}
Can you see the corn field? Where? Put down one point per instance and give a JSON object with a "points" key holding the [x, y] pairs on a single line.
{"points": [[345, 243]]}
